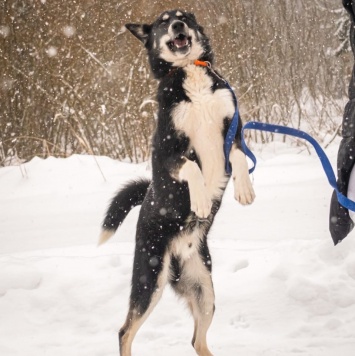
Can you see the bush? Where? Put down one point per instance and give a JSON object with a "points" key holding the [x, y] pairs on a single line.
{"points": [[72, 81]]}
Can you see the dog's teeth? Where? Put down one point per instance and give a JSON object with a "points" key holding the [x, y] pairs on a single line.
{"points": [[180, 42]]}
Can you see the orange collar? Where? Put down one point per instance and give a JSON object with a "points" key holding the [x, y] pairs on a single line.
{"points": [[202, 63], [199, 63], [207, 64]]}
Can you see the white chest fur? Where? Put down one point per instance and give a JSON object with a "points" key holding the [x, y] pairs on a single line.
{"points": [[201, 120]]}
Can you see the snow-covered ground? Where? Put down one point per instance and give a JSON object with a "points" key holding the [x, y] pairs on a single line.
{"points": [[281, 287]]}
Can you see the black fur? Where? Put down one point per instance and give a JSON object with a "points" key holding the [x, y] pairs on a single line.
{"points": [[131, 195], [171, 237]]}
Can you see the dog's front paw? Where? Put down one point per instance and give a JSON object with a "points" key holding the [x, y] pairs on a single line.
{"points": [[201, 204], [243, 191]]}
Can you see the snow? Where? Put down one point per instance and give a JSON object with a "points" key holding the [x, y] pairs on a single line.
{"points": [[69, 31], [281, 286], [52, 51]]}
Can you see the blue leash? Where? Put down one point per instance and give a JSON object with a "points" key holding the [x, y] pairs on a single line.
{"points": [[232, 131], [253, 125]]}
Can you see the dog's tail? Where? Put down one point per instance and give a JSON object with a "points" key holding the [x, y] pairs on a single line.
{"points": [[131, 195]]}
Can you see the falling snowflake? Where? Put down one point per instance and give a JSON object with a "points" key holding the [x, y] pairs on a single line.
{"points": [[69, 31]]}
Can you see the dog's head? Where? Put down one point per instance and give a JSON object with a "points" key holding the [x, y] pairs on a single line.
{"points": [[174, 37]]}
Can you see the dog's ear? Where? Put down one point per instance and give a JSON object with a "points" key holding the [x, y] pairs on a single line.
{"points": [[140, 31], [193, 18], [191, 15]]}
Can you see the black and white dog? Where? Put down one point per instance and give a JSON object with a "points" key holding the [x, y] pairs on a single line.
{"points": [[188, 179]]}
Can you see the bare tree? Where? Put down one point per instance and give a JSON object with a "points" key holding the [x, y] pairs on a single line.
{"points": [[72, 81]]}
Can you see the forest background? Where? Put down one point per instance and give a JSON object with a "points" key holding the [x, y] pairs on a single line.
{"points": [[72, 80]]}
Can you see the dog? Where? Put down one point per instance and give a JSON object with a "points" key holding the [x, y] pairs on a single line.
{"points": [[179, 203]]}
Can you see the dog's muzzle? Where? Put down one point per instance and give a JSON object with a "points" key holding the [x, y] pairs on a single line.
{"points": [[180, 35]]}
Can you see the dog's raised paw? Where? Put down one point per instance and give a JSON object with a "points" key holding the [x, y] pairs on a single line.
{"points": [[201, 205], [244, 191]]}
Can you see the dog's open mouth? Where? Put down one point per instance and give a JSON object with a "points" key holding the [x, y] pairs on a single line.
{"points": [[180, 42]]}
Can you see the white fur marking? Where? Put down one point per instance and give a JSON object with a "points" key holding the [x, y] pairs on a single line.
{"points": [[166, 17], [179, 13], [202, 121], [201, 307], [186, 244], [105, 236], [243, 189], [201, 202]]}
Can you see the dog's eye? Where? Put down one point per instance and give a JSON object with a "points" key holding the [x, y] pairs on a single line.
{"points": [[183, 18], [163, 24]]}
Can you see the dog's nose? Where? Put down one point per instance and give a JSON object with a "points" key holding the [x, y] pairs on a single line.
{"points": [[178, 26]]}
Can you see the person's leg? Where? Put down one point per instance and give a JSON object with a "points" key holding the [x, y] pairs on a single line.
{"points": [[340, 223]]}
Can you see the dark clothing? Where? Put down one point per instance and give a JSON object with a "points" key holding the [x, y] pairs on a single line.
{"points": [[348, 4], [340, 223]]}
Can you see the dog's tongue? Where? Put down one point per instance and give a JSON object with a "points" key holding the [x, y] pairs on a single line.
{"points": [[180, 42]]}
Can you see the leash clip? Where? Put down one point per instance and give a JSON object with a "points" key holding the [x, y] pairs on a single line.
{"points": [[208, 64]]}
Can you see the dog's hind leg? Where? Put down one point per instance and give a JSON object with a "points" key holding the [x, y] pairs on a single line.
{"points": [[202, 309], [150, 274], [195, 285]]}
